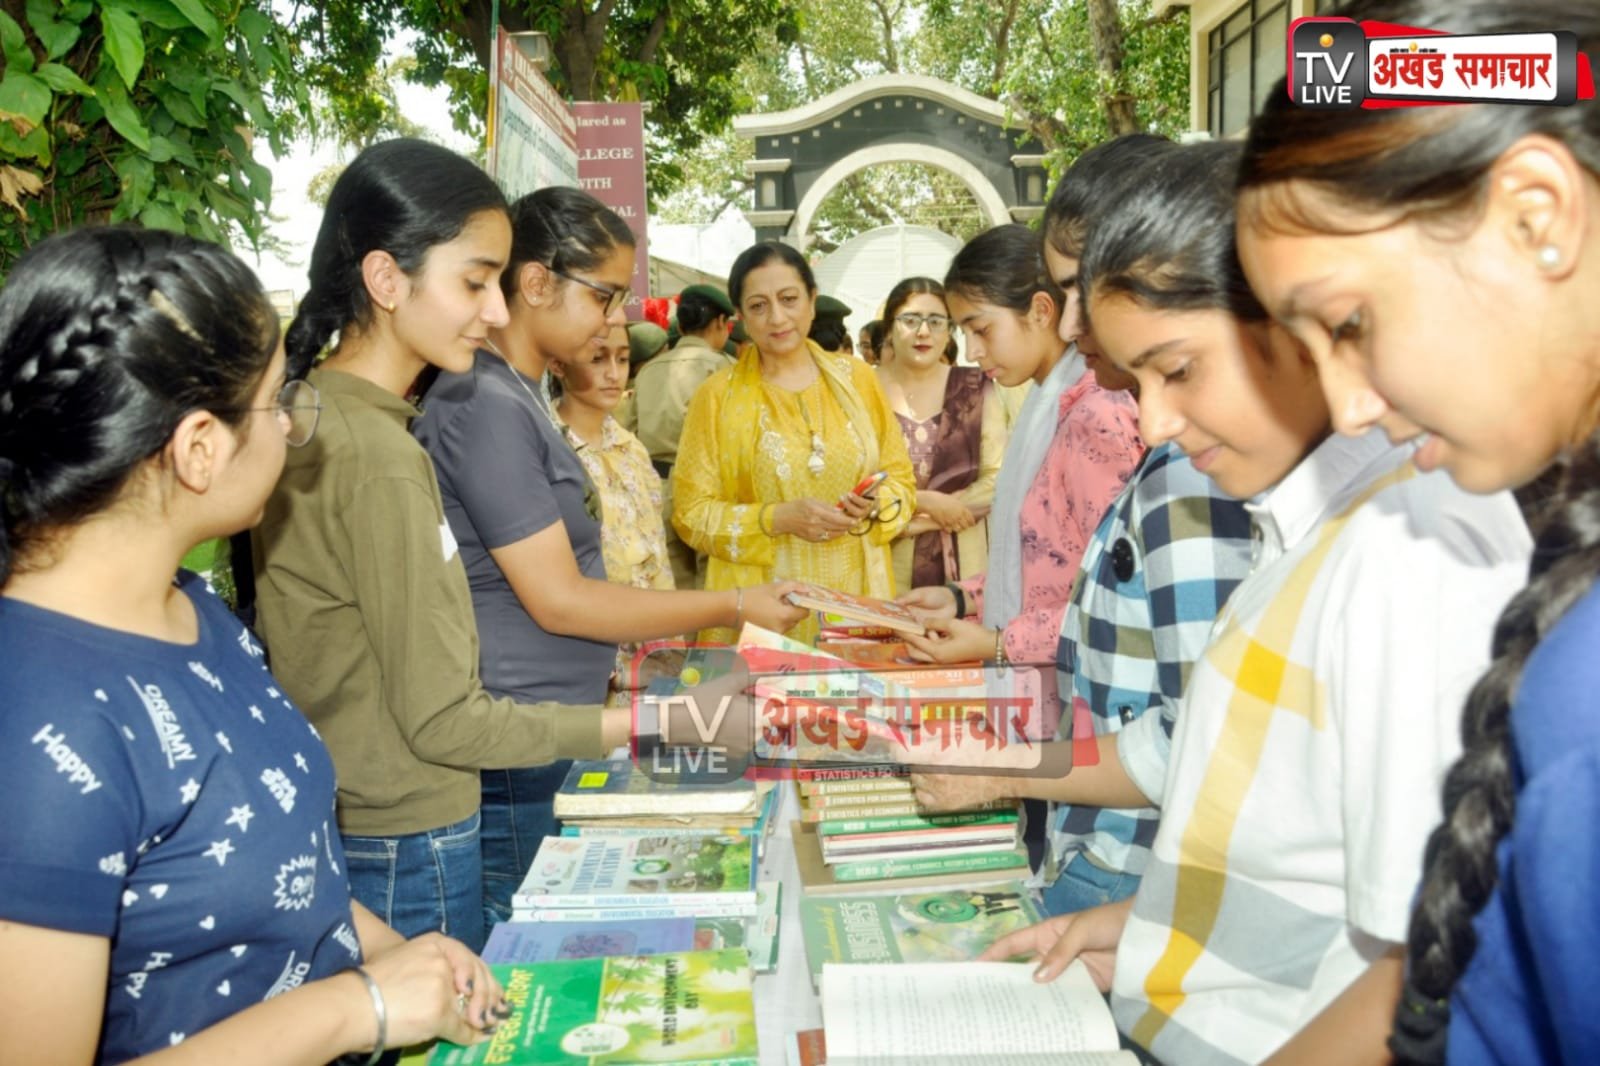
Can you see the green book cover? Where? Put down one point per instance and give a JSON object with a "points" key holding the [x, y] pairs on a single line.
{"points": [[896, 823], [950, 864], [687, 1007], [953, 925]]}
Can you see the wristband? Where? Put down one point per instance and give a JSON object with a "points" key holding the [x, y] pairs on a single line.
{"points": [[961, 599], [377, 1009]]}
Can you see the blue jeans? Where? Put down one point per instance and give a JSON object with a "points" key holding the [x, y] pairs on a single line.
{"points": [[422, 882], [1082, 885], [518, 813]]}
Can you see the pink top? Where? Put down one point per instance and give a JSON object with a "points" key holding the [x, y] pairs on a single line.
{"points": [[1095, 450]]}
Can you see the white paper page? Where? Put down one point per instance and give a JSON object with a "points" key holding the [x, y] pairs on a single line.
{"points": [[923, 1010]]}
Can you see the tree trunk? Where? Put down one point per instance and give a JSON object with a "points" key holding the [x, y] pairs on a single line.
{"points": [[891, 61], [1105, 31]]}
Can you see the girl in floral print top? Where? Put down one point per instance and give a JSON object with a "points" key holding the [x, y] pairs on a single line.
{"points": [[170, 876]]}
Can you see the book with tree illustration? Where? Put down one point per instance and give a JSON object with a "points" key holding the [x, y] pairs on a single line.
{"points": [[674, 872], [954, 1014], [952, 925], [686, 1007]]}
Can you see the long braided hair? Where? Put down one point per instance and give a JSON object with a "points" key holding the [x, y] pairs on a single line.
{"points": [[108, 337], [1432, 165]]}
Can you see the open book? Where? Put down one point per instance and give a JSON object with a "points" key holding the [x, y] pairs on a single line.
{"points": [[962, 1014]]}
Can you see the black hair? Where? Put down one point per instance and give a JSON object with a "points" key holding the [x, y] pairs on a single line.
{"points": [[1432, 164], [404, 197], [760, 254], [1168, 240], [829, 332], [1410, 161], [905, 290], [697, 311], [564, 228], [1002, 266], [108, 337], [1095, 180]]}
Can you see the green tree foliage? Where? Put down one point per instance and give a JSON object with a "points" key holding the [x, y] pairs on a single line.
{"points": [[680, 56], [1038, 57], [140, 110]]}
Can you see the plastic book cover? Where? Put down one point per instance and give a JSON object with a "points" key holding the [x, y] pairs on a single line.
{"points": [[953, 925], [524, 942], [690, 1007], [870, 610], [675, 869], [617, 788]]}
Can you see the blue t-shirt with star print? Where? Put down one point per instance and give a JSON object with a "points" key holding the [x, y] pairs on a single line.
{"points": [[170, 798]]}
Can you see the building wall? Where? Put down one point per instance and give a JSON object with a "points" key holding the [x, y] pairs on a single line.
{"points": [[1206, 16]]}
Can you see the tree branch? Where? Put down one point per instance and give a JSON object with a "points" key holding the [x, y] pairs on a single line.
{"points": [[1002, 44], [891, 61], [652, 40]]}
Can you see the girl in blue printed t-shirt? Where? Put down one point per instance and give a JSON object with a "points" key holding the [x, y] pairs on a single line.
{"points": [[171, 876]]}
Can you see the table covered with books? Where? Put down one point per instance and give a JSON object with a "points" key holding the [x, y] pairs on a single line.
{"points": [[676, 920]]}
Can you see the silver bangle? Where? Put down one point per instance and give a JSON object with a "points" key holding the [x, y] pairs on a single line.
{"points": [[377, 1009]]}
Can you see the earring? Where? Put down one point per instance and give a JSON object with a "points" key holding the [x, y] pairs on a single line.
{"points": [[1549, 257]]}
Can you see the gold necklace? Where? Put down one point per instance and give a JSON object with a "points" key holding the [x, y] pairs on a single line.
{"points": [[815, 463]]}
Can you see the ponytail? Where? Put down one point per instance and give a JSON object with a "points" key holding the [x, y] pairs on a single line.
{"points": [[403, 197]]}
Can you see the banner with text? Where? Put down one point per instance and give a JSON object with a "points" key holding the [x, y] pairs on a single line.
{"points": [[611, 168], [533, 138]]}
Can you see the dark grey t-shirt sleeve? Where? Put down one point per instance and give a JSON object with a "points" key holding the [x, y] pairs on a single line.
{"points": [[492, 456]]}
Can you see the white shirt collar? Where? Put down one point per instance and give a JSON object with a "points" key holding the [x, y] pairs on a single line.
{"points": [[1322, 483]]}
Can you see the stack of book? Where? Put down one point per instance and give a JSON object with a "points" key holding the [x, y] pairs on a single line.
{"points": [[863, 824], [707, 878], [614, 797]]}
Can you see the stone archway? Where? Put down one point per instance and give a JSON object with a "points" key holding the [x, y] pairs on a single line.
{"points": [[803, 153]]}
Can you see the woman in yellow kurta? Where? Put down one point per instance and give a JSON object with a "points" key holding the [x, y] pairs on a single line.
{"points": [[773, 446]]}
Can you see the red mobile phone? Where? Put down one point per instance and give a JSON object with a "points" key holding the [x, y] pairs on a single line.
{"points": [[868, 486]]}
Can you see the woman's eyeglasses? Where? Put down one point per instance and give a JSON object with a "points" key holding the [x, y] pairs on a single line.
{"points": [[298, 408], [913, 323], [615, 298]]}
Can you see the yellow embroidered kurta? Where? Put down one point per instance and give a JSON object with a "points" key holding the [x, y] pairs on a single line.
{"points": [[746, 444], [632, 537]]}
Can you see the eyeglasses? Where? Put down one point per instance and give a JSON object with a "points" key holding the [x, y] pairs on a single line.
{"points": [[298, 408], [912, 323], [615, 298]]}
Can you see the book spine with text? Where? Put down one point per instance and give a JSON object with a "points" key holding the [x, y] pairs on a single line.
{"points": [[872, 871], [897, 823]]}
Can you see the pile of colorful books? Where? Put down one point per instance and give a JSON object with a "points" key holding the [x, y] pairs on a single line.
{"points": [[863, 825], [642, 863]]}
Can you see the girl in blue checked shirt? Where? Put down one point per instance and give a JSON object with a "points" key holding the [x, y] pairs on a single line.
{"points": [[1161, 564], [1441, 264], [172, 885], [1315, 728]]}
